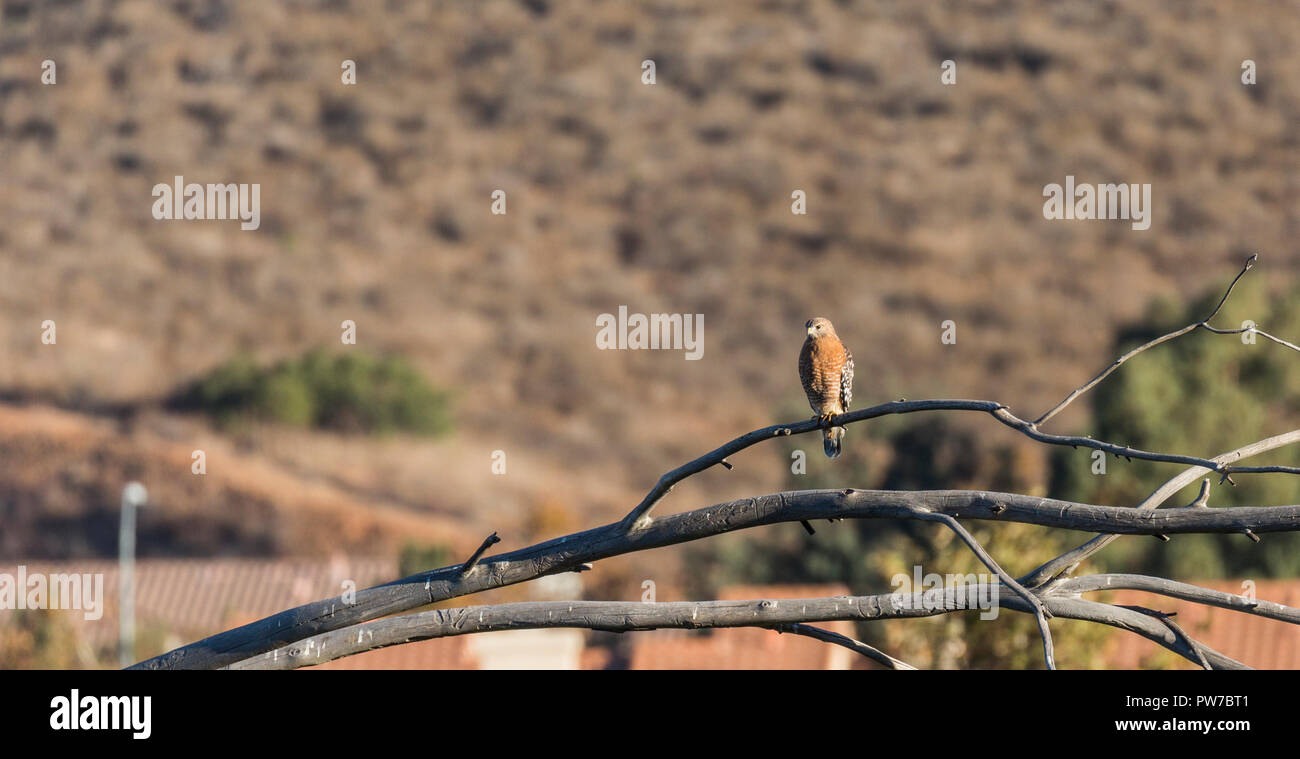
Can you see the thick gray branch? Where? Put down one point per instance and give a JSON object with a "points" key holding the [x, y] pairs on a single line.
{"points": [[620, 616]]}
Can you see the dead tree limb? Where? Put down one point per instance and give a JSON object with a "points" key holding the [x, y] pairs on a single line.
{"points": [[827, 636], [639, 516], [628, 616], [1075, 586], [1174, 627], [1040, 612], [565, 553]]}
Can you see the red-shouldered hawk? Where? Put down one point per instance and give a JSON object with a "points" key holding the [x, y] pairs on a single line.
{"points": [[826, 371]]}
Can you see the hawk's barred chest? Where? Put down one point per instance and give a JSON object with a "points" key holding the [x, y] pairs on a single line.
{"points": [[826, 371]]}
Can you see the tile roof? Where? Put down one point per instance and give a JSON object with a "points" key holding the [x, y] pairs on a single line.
{"points": [[1256, 641], [745, 648], [438, 653]]}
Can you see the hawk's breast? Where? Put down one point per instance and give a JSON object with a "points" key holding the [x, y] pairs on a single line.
{"points": [[822, 365]]}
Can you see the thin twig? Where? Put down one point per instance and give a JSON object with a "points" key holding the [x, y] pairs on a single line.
{"points": [[488, 542], [1202, 499], [1203, 324], [1040, 611], [874, 654], [1180, 632]]}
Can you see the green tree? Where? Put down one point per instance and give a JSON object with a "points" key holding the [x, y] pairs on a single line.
{"points": [[1201, 394]]}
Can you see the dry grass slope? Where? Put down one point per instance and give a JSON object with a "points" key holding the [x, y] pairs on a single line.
{"points": [[924, 205]]}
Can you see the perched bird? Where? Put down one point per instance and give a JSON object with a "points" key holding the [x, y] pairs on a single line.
{"points": [[826, 371]]}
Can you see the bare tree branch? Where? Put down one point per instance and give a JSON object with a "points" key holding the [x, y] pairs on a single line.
{"points": [[1256, 331], [638, 517], [628, 616], [876, 655], [1196, 648], [568, 552], [1075, 586], [1040, 612]]}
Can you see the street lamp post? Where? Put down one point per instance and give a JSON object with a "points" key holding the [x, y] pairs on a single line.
{"points": [[133, 496]]}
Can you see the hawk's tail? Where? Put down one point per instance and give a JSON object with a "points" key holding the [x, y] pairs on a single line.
{"points": [[831, 441]]}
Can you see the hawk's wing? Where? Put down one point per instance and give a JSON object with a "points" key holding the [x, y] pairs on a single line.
{"points": [[806, 376], [846, 380]]}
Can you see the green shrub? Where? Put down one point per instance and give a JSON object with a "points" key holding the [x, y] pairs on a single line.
{"points": [[349, 392], [416, 558]]}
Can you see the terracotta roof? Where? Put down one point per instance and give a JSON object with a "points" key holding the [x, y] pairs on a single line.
{"points": [[1256, 641], [439, 653], [595, 658], [745, 648]]}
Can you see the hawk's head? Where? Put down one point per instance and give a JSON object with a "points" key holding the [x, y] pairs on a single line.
{"points": [[819, 327]]}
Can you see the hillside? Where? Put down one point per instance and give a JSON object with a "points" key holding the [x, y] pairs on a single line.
{"points": [[924, 205]]}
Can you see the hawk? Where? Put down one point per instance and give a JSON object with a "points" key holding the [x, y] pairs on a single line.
{"points": [[826, 371]]}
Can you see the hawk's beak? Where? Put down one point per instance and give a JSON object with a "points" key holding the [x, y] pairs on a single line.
{"points": [[811, 331]]}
